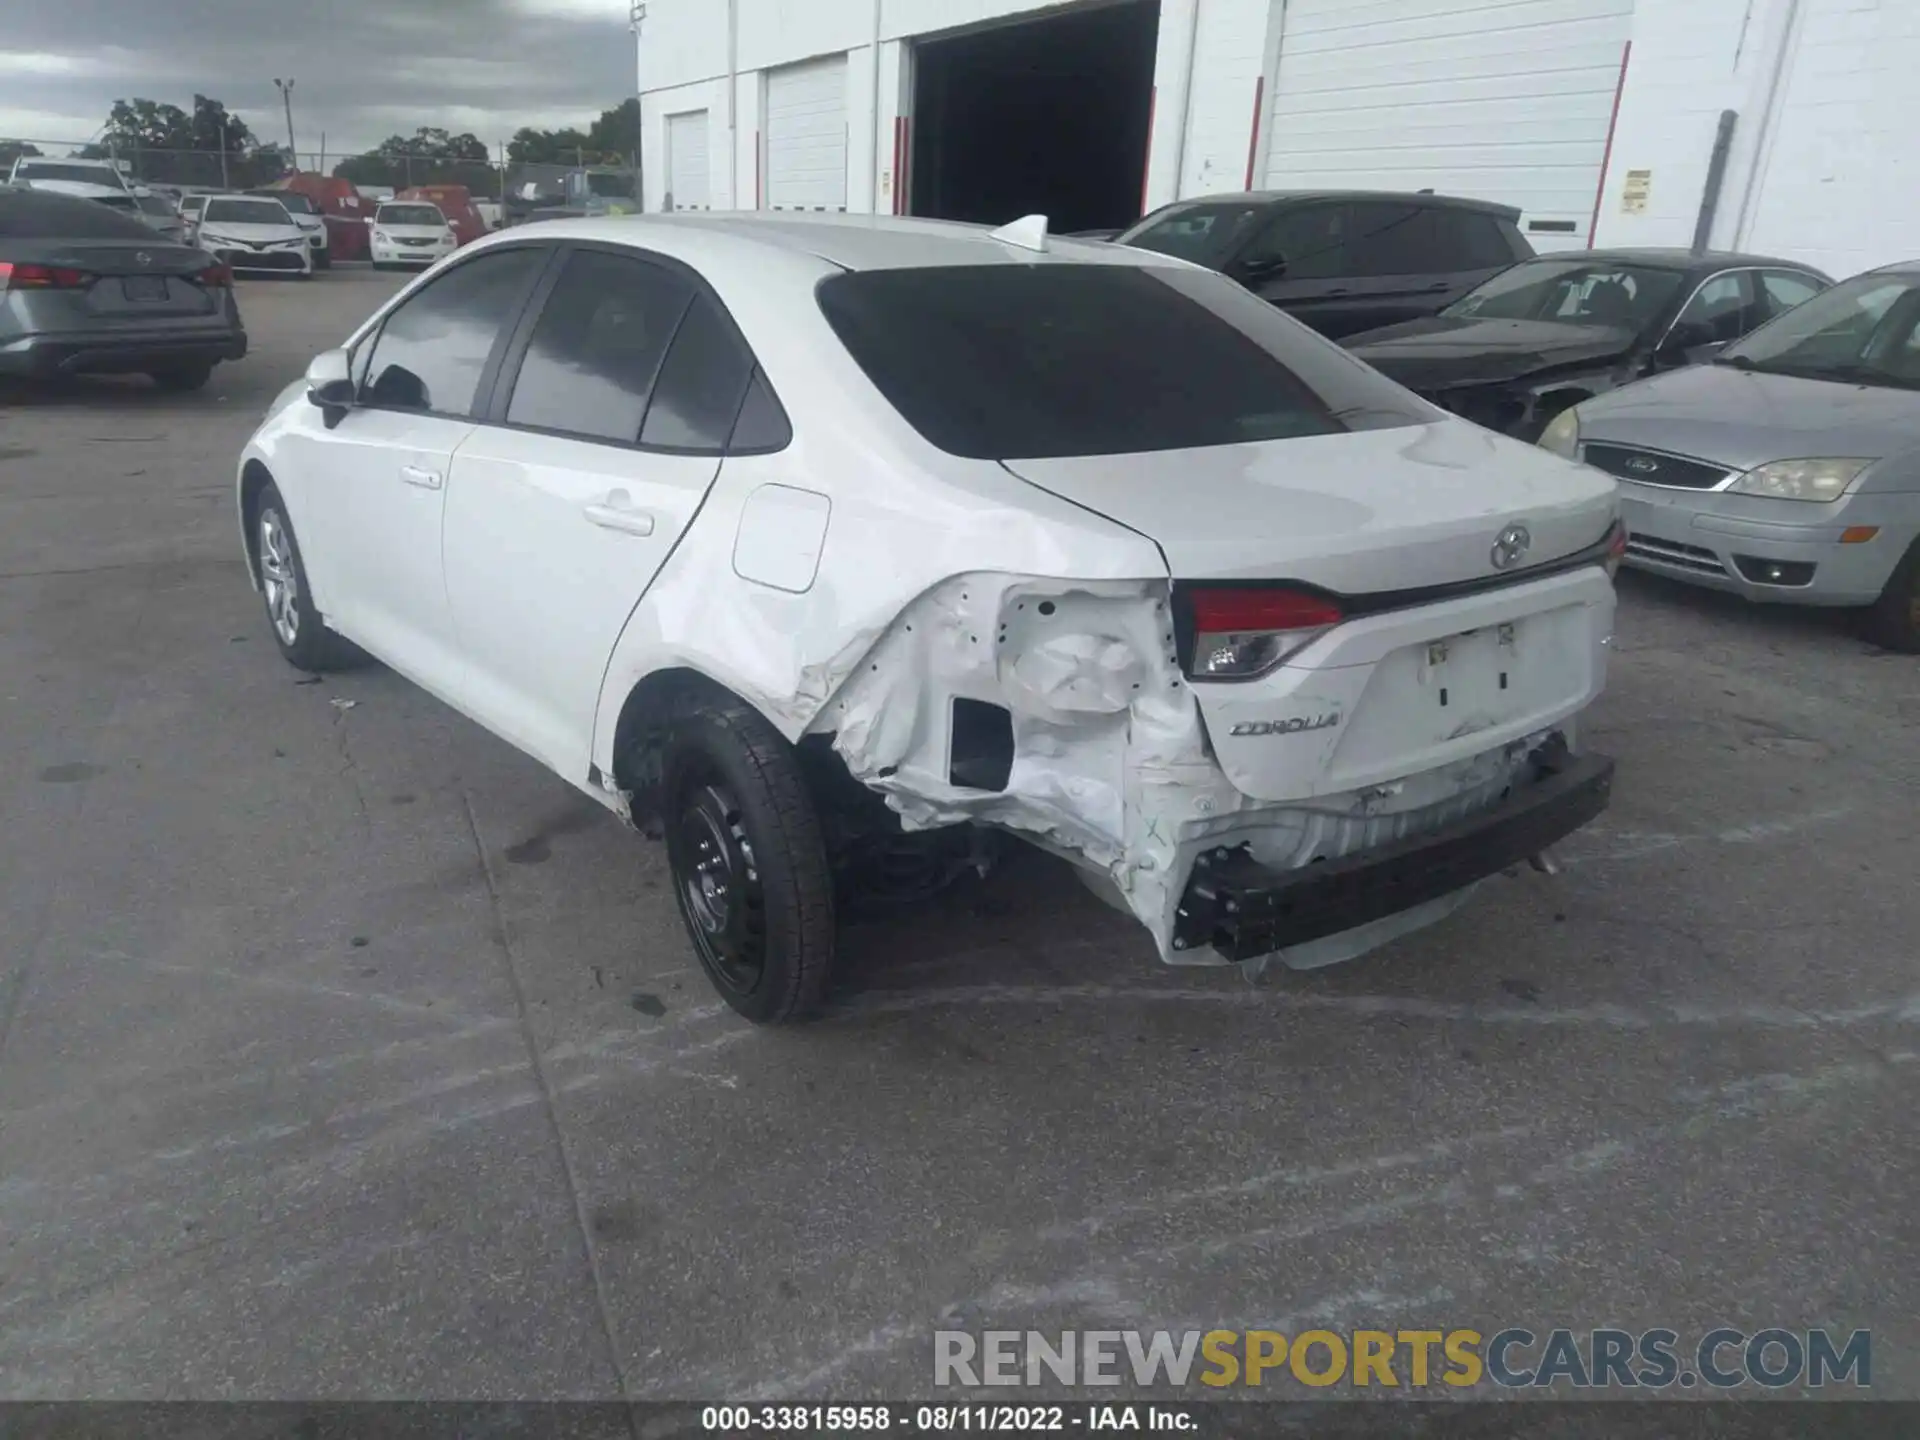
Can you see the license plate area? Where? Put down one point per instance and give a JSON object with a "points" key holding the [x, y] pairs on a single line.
{"points": [[1474, 672], [144, 288]]}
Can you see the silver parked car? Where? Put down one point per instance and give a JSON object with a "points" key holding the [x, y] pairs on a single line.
{"points": [[1789, 468], [84, 290]]}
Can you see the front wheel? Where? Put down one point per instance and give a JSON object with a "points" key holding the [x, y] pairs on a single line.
{"points": [[302, 636], [1893, 621], [749, 865]]}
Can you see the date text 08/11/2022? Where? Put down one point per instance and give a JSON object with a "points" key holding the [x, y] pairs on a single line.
{"points": [[944, 1419]]}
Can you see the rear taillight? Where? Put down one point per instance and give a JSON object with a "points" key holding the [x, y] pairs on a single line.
{"points": [[1616, 548], [15, 276], [215, 276], [1241, 632]]}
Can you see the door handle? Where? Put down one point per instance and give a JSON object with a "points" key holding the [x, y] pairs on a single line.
{"points": [[1439, 289], [1339, 290], [616, 512], [425, 479]]}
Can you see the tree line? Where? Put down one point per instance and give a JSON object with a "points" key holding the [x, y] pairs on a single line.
{"points": [[211, 146]]}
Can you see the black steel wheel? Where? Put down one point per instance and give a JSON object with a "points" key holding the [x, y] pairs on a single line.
{"points": [[749, 866], [1893, 621]]}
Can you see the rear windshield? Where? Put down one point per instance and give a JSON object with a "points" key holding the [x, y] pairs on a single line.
{"points": [[410, 215], [1026, 362], [37, 215], [66, 170], [248, 212]]}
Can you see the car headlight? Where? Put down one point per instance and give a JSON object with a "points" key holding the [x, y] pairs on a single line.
{"points": [[1562, 435], [1800, 479], [381, 236]]}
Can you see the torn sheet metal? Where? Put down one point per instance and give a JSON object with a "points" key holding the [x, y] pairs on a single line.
{"points": [[1111, 765]]}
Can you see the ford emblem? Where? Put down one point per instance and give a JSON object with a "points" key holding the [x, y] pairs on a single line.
{"points": [[1511, 547], [1643, 464], [141, 257]]}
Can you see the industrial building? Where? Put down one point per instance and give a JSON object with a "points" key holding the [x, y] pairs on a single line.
{"points": [[1768, 125]]}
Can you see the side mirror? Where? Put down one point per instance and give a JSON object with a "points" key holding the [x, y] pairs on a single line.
{"points": [[330, 383], [367, 221], [1264, 267], [1689, 345]]}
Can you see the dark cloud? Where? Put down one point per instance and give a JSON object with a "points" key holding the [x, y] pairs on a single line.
{"points": [[363, 69]]}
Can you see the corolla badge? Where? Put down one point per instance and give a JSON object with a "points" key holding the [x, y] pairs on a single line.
{"points": [[1510, 547], [1295, 726]]}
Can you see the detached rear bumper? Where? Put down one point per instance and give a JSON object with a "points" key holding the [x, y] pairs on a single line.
{"points": [[1243, 910], [119, 354]]}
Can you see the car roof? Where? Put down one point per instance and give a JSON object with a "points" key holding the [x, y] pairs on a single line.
{"points": [[851, 242], [1270, 197], [1676, 257]]}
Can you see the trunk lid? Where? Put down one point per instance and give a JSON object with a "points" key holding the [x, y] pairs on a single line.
{"points": [[1444, 350], [1364, 512], [133, 284]]}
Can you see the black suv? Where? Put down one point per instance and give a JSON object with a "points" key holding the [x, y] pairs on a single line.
{"points": [[1341, 261]]}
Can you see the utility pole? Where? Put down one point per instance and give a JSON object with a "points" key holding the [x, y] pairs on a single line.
{"points": [[636, 14], [285, 87]]}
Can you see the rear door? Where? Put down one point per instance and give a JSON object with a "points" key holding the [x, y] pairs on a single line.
{"points": [[608, 424]]}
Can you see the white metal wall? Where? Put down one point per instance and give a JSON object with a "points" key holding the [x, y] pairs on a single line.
{"points": [[806, 135], [1838, 181], [688, 169], [1508, 102]]}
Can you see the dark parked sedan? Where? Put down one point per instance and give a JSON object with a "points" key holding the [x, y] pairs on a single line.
{"points": [[1560, 329], [1341, 261], [84, 290]]}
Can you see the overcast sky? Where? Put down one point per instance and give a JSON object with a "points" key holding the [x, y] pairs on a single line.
{"points": [[363, 69]]}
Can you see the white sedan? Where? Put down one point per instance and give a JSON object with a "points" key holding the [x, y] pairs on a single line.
{"points": [[247, 232], [828, 546], [409, 234]]}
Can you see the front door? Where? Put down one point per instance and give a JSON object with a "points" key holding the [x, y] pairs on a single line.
{"points": [[612, 414], [374, 500]]}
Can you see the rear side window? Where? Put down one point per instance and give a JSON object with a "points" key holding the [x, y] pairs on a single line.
{"points": [[1468, 240], [433, 350], [38, 215], [590, 366], [1006, 362], [701, 384], [1390, 239], [1788, 288]]}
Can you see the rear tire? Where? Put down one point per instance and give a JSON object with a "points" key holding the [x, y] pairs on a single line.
{"points": [[302, 636], [1893, 621], [749, 864], [181, 377]]}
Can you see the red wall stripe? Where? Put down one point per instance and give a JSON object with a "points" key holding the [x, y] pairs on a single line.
{"points": [[1606, 156], [1253, 140]]}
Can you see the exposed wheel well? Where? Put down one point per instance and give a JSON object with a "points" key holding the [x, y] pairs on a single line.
{"points": [[1554, 401], [639, 735], [254, 479]]}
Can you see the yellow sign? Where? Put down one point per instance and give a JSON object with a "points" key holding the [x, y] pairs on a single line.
{"points": [[1633, 194]]}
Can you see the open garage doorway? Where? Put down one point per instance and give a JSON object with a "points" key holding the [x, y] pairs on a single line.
{"points": [[1043, 116]]}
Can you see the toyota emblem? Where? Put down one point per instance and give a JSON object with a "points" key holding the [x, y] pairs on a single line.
{"points": [[142, 258], [1511, 547]]}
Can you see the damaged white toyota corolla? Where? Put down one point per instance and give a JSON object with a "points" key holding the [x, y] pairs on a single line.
{"points": [[815, 543]]}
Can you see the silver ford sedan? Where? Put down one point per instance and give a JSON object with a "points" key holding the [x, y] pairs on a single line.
{"points": [[1789, 468]]}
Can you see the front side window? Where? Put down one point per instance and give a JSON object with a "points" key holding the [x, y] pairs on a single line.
{"points": [[1860, 331], [591, 362], [432, 351], [1721, 310], [247, 212], [1309, 241], [156, 205], [1010, 362], [1205, 233], [1788, 288], [1572, 292]]}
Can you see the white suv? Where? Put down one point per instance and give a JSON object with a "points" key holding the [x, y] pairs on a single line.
{"points": [[816, 542]]}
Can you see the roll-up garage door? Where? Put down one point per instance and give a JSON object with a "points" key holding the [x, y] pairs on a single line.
{"points": [[1507, 102], [687, 171], [806, 135]]}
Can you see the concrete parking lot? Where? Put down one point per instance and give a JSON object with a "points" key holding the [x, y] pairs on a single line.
{"points": [[347, 1053]]}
